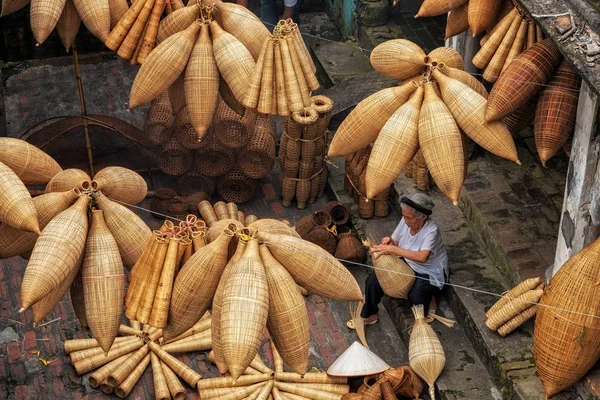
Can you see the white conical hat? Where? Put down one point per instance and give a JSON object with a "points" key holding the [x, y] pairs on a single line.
{"points": [[357, 360]]}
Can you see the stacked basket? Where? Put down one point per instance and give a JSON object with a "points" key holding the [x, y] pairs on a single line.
{"points": [[230, 159], [302, 153]]}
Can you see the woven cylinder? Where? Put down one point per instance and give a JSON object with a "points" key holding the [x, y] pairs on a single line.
{"points": [[163, 198], [349, 248], [159, 120], [305, 169], [293, 150], [236, 187], [184, 131], [314, 188], [322, 238], [174, 158], [322, 181], [207, 212], [521, 118], [288, 191], [193, 182], [233, 130], [338, 212], [302, 193], [258, 158], [458, 21], [214, 159], [382, 207]]}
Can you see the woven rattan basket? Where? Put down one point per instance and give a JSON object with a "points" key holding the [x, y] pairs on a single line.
{"points": [[339, 213], [184, 131], [174, 158], [214, 159], [193, 182], [349, 248], [192, 201], [159, 120], [322, 238], [258, 158], [163, 198], [232, 130], [236, 187]]}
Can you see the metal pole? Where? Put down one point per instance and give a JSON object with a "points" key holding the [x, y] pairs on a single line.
{"points": [[88, 144]]}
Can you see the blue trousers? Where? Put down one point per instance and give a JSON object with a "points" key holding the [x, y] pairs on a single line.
{"points": [[269, 14]]}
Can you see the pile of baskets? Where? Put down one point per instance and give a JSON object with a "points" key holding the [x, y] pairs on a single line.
{"points": [[354, 183], [230, 159], [329, 229], [302, 153]]}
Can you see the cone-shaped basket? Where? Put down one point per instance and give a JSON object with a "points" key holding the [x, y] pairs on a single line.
{"points": [[16, 205], [32, 165], [398, 59], [122, 184], [66, 180]]}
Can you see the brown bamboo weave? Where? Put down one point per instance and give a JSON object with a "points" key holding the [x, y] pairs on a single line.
{"points": [[322, 238], [232, 130], [482, 14], [66, 180], [67, 25], [450, 57], [349, 248], [432, 8], [258, 158], [176, 22], [214, 159], [236, 187], [174, 158], [159, 120], [193, 182], [122, 184], [458, 21], [32, 165]]}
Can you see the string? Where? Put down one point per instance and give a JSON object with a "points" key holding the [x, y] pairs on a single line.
{"points": [[408, 61]]}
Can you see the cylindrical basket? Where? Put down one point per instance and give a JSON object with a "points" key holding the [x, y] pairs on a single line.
{"points": [[323, 238], [193, 182], [236, 187], [174, 158], [339, 213], [163, 198], [214, 159], [232, 130], [258, 158], [184, 131]]}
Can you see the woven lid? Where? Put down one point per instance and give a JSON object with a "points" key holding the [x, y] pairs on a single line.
{"points": [[357, 360]]}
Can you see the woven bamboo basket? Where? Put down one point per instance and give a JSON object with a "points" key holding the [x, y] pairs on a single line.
{"points": [[56, 254], [123, 370], [66, 180], [244, 25], [468, 108], [14, 242], [482, 14], [77, 297], [174, 158], [217, 228], [518, 44], [245, 306], [303, 259], [252, 94], [512, 308], [398, 59], [162, 66], [186, 134], [98, 376], [207, 212], [10, 6], [382, 205], [494, 68], [193, 182], [125, 388], [288, 190], [517, 121], [258, 158], [556, 111], [266, 101], [233, 130], [162, 294], [425, 353], [449, 57], [67, 25], [494, 38], [129, 230], [122, 184], [221, 212], [350, 249], [177, 21], [432, 8], [233, 210], [364, 123], [404, 381], [95, 16], [516, 85], [395, 145], [103, 282], [176, 389], [195, 285], [458, 21], [214, 159], [273, 227], [159, 120], [163, 197], [304, 225], [322, 238], [441, 144], [202, 83], [338, 212], [517, 321], [236, 187], [566, 326], [521, 288], [465, 78], [184, 372], [32, 165], [302, 193], [394, 275]]}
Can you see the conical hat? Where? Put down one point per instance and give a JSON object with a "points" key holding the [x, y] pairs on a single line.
{"points": [[357, 360]]}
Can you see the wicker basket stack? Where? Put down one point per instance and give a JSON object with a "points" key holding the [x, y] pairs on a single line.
{"points": [[302, 152], [229, 160], [354, 183]]}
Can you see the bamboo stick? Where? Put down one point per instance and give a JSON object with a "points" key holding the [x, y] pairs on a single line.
{"points": [[119, 374], [228, 381], [277, 360], [162, 299], [125, 388], [185, 372], [175, 387], [149, 38], [161, 390], [80, 355], [309, 377]]}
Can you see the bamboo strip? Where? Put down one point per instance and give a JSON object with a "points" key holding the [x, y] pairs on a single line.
{"points": [[162, 298], [265, 97], [161, 390], [141, 276], [101, 374], [125, 388], [185, 372], [119, 374], [310, 377], [98, 360], [175, 387]]}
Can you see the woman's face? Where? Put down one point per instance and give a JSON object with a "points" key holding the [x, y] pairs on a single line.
{"points": [[412, 221]]}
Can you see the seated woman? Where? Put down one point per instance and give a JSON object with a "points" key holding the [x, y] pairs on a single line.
{"points": [[418, 240]]}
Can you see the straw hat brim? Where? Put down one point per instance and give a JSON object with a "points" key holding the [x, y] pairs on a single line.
{"points": [[357, 360]]}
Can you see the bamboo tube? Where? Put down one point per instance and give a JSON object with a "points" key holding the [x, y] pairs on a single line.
{"points": [[118, 375], [227, 381], [125, 388], [192, 338], [521, 288], [292, 88], [134, 35], [140, 277], [74, 345], [265, 99], [154, 336], [327, 387], [149, 37], [143, 313], [80, 355], [265, 391], [128, 330], [517, 45], [200, 326], [198, 240], [252, 94], [251, 371], [175, 387], [162, 298], [530, 34], [310, 393], [277, 360], [135, 324], [216, 393], [191, 344], [161, 390], [187, 253], [134, 273], [101, 374], [305, 64], [539, 35], [517, 321], [300, 44], [302, 84], [259, 365], [494, 67], [310, 377], [185, 372], [98, 360], [207, 212], [276, 394], [485, 54], [119, 32], [282, 103], [106, 388]]}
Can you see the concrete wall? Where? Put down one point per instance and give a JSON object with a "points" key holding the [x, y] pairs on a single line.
{"points": [[343, 13]]}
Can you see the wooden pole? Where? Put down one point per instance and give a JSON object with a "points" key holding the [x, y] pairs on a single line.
{"points": [[88, 144]]}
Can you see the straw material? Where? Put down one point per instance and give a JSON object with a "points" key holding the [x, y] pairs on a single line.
{"points": [[233, 130], [450, 57], [488, 49], [162, 66], [482, 14], [182, 370], [198, 342], [310, 393], [425, 353], [493, 69], [135, 35], [521, 288], [103, 282], [125, 388], [71, 346], [56, 253], [161, 390], [403, 381], [244, 25], [207, 212], [514, 307], [274, 227], [287, 319], [364, 123], [151, 275], [520, 81], [123, 370], [122, 184], [67, 180], [357, 360], [566, 334], [398, 59], [517, 321], [76, 292], [88, 364], [221, 211], [517, 45], [265, 98], [176, 22], [214, 159], [432, 8], [175, 387], [280, 86], [236, 187], [162, 298], [395, 146], [95, 14], [10, 6], [468, 108], [441, 143], [227, 382], [16, 205], [312, 267], [556, 111], [68, 24], [258, 158], [129, 230], [458, 21], [465, 78], [14, 242], [202, 83], [244, 311], [230, 393], [101, 374], [195, 285], [159, 120], [310, 377], [148, 39], [233, 59], [32, 165]]}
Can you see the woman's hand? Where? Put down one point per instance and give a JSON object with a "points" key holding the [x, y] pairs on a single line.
{"points": [[385, 249], [389, 241]]}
